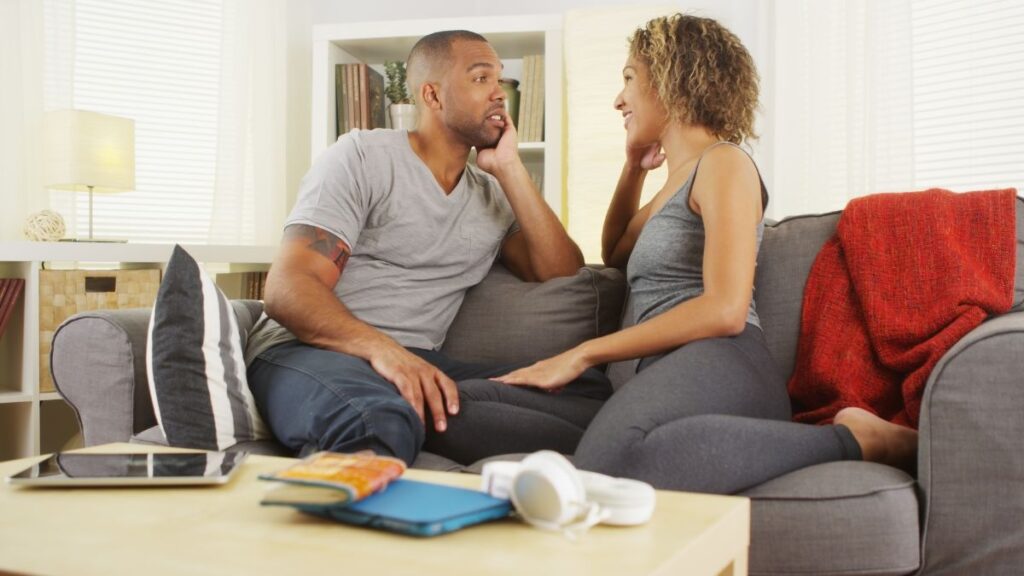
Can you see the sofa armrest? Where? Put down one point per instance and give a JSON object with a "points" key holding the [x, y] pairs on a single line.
{"points": [[98, 363], [971, 461]]}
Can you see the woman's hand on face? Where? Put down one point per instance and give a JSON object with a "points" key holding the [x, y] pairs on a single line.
{"points": [[645, 157], [551, 374]]}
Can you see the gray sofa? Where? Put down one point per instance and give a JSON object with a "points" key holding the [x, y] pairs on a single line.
{"points": [[963, 514]]}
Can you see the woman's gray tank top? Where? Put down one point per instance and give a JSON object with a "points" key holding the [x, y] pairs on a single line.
{"points": [[666, 266]]}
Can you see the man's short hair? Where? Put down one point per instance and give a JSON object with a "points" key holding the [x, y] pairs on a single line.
{"points": [[433, 50]]}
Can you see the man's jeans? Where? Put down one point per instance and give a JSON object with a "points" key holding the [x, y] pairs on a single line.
{"points": [[315, 399]]}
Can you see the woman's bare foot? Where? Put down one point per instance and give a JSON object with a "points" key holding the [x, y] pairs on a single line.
{"points": [[881, 441]]}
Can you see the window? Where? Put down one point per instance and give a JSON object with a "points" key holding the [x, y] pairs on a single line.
{"points": [[968, 85], [892, 96]]}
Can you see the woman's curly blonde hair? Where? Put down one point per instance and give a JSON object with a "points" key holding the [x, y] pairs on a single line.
{"points": [[701, 72]]}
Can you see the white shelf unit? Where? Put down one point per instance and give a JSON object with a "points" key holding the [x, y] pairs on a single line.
{"points": [[32, 421], [513, 37]]}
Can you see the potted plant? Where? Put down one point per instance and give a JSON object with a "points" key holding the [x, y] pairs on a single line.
{"points": [[403, 110]]}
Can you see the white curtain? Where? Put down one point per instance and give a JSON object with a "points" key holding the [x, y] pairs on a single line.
{"points": [[21, 106], [251, 184], [838, 97], [865, 96]]}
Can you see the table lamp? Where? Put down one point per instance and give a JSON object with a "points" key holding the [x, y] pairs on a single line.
{"points": [[89, 150]]}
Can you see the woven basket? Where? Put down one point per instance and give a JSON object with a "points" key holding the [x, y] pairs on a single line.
{"points": [[64, 293]]}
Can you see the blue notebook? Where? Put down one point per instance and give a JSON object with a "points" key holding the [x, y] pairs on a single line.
{"points": [[416, 508]]}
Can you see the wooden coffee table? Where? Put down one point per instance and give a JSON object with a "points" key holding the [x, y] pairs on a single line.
{"points": [[223, 530]]}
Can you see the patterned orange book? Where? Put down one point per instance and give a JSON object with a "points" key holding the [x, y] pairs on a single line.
{"points": [[332, 478]]}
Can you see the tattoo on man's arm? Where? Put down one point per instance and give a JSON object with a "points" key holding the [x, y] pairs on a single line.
{"points": [[321, 241]]}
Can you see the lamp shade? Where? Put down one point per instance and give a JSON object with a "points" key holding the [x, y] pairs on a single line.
{"points": [[84, 149]]}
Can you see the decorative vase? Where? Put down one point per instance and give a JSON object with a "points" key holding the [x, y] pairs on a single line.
{"points": [[403, 116]]}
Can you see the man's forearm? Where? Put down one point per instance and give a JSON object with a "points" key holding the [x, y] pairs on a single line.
{"points": [[552, 253], [315, 316]]}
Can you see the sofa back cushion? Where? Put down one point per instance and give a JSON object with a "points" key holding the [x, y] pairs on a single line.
{"points": [[788, 250], [504, 320]]}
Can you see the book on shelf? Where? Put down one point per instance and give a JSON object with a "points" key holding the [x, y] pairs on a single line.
{"points": [[525, 100], [10, 290], [531, 100], [342, 95], [357, 88], [359, 98], [244, 285], [537, 128], [367, 490], [339, 98], [373, 99], [256, 283], [350, 88]]}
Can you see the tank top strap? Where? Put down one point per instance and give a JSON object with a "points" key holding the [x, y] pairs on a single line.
{"points": [[764, 189]]}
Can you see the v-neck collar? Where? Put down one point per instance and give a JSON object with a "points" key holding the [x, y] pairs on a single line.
{"points": [[449, 197]]}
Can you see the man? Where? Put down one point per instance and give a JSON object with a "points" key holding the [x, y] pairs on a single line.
{"points": [[389, 230]]}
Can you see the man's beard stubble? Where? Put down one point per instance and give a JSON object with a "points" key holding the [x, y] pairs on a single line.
{"points": [[474, 133]]}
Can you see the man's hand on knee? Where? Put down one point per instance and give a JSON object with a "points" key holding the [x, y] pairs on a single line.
{"points": [[419, 382]]}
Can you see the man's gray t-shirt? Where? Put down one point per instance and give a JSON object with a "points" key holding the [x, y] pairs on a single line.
{"points": [[415, 249]]}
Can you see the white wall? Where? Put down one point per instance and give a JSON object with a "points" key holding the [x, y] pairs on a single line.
{"points": [[325, 11], [299, 96], [741, 16]]}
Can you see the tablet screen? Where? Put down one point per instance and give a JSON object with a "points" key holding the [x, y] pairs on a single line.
{"points": [[64, 469]]}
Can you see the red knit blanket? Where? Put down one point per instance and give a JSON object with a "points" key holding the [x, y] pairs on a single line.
{"points": [[905, 277]]}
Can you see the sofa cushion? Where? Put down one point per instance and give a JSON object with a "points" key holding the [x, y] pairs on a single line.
{"points": [[836, 518], [194, 362], [424, 460], [787, 252], [431, 461], [154, 437], [504, 320]]}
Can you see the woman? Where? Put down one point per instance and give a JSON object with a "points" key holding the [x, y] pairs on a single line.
{"points": [[707, 409]]}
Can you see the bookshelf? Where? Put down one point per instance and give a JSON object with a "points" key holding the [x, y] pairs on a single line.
{"points": [[513, 37], [34, 421]]}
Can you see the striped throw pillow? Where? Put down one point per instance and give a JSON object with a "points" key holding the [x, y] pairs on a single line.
{"points": [[195, 365]]}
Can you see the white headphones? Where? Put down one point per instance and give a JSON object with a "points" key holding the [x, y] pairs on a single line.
{"points": [[550, 493]]}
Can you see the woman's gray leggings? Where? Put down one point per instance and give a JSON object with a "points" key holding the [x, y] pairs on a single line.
{"points": [[710, 416]]}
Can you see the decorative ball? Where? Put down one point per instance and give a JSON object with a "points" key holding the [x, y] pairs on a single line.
{"points": [[44, 226]]}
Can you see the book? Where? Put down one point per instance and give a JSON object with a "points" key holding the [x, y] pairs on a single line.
{"points": [[373, 97], [366, 490], [350, 87], [332, 478], [261, 284], [10, 290], [357, 96], [531, 102], [339, 98], [419, 509], [525, 100], [537, 128]]}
